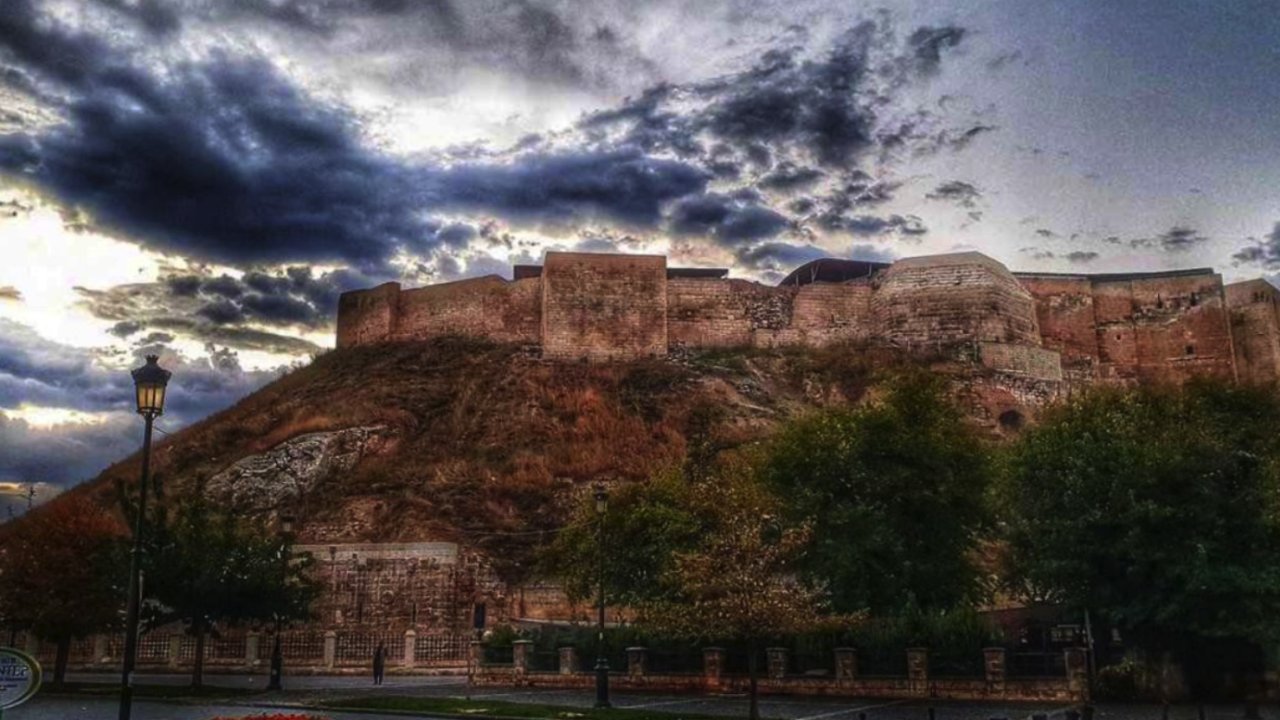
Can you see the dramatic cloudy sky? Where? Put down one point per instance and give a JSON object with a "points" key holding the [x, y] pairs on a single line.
{"points": [[203, 177]]}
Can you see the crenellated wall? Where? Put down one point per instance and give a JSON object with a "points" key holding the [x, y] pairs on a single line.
{"points": [[1138, 327]]}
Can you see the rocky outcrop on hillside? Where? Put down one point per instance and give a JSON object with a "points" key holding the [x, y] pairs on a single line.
{"points": [[278, 477]]}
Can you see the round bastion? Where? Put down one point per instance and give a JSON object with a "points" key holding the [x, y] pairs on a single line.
{"points": [[944, 300]]}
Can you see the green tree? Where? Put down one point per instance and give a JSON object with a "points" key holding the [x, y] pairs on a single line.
{"points": [[208, 569], [894, 493], [62, 574], [738, 581], [645, 525], [1157, 509]]}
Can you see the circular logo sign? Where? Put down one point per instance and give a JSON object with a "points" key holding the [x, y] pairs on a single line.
{"points": [[19, 677]]}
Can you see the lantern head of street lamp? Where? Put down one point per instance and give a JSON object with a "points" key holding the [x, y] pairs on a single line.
{"points": [[150, 381], [287, 523], [602, 498]]}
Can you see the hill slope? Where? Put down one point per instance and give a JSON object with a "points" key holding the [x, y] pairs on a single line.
{"points": [[480, 443]]}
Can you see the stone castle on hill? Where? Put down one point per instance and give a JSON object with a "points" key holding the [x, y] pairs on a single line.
{"points": [[1046, 328]]}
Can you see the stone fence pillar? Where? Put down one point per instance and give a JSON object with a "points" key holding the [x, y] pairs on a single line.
{"points": [[175, 650], [410, 648], [31, 644], [712, 666], [918, 669], [993, 666], [1077, 672], [520, 650], [476, 654], [100, 648], [568, 660], [252, 642], [637, 662], [330, 649], [846, 665], [777, 662]]}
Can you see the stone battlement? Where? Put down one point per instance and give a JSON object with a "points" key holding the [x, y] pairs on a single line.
{"points": [[1164, 326]]}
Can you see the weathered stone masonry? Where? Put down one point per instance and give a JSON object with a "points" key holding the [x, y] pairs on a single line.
{"points": [[1046, 327]]}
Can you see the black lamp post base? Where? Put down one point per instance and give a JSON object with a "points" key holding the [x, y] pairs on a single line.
{"points": [[602, 683]]}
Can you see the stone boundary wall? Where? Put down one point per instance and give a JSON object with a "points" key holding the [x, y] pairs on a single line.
{"points": [[845, 681], [304, 652]]}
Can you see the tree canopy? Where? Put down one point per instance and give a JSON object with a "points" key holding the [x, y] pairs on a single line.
{"points": [[207, 568], [1156, 508], [894, 491], [646, 525], [63, 572]]}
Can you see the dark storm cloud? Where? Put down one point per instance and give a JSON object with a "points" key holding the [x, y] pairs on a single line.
{"points": [[906, 225], [156, 16], [1176, 239], [40, 372], [215, 308], [624, 185], [778, 256], [1038, 253], [823, 106], [727, 220], [789, 176], [1264, 252], [227, 160], [1081, 256], [928, 43], [222, 160], [961, 193], [63, 454]]}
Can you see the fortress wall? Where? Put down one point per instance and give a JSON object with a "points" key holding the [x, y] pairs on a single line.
{"points": [[939, 301], [1022, 360], [1166, 328], [827, 312], [601, 307], [1065, 314], [1255, 327], [488, 307], [717, 312], [367, 316]]}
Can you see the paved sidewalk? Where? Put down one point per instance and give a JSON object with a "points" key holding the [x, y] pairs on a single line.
{"points": [[314, 688]]}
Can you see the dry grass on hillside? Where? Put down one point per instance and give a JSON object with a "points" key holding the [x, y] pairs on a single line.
{"points": [[491, 443]]}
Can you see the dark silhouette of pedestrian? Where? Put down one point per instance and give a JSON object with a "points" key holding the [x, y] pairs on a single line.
{"points": [[379, 663]]}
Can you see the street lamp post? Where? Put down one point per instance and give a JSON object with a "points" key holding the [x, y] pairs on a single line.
{"points": [[602, 662], [149, 383], [277, 654]]}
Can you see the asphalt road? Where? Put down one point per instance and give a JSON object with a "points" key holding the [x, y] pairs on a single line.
{"points": [[304, 688]]}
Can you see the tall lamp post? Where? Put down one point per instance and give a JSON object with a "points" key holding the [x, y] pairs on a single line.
{"points": [[277, 654], [149, 383], [602, 662]]}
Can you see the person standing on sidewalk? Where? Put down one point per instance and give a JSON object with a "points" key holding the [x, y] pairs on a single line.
{"points": [[379, 663]]}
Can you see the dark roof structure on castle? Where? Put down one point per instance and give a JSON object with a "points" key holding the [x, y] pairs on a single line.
{"points": [[832, 270], [520, 272]]}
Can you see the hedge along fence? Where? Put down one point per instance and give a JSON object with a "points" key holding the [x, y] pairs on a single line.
{"points": [[955, 641], [530, 668]]}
